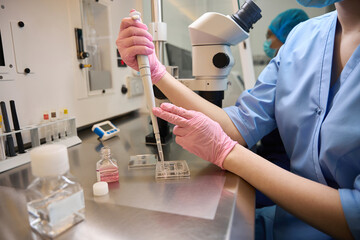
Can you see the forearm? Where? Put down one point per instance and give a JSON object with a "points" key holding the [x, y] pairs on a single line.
{"points": [[314, 203], [182, 96]]}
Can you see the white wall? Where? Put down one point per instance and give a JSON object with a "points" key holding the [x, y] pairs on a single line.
{"points": [[56, 80]]}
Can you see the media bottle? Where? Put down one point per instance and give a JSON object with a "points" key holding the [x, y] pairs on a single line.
{"points": [[55, 201], [106, 168]]}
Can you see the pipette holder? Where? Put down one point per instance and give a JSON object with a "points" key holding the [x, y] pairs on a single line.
{"points": [[70, 140]]}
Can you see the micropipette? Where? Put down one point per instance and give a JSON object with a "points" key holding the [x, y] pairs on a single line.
{"points": [[144, 68]]}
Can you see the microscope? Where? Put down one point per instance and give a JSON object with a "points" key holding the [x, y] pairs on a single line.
{"points": [[211, 37]]}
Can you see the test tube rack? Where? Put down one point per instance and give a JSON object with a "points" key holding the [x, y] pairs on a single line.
{"points": [[70, 140]]}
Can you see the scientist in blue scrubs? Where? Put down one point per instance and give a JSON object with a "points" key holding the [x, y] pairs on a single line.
{"points": [[311, 92], [271, 146]]}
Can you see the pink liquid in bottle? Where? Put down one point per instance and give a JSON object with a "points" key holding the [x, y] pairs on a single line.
{"points": [[106, 168]]}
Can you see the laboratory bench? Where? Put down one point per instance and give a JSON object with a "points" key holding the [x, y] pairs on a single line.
{"points": [[211, 204]]}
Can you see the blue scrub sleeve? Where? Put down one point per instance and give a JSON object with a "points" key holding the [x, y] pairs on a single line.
{"points": [[350, 201], [253, 114]]}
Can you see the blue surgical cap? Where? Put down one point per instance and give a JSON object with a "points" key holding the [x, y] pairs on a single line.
{"points": [[286, 21]]}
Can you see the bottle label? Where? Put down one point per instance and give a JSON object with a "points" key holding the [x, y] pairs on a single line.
{"points": [[64, 208]]}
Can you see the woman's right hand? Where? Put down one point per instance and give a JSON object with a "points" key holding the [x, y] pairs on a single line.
{"points": [[133, 40]]}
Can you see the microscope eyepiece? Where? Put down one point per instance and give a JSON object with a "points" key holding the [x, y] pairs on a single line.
{"points": [[247, 15]]}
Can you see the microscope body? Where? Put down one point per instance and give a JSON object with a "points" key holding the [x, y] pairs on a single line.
{"points": [[211, 36]]}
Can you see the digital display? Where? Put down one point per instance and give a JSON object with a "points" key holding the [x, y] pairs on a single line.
{"points": [[106, 127], [105, 130]]}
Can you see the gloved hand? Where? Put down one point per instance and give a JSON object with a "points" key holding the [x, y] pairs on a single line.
{"points": [[197, 133], [134, 39]]}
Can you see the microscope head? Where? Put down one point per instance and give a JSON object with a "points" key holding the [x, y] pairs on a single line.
{"points": [[215, 28]]}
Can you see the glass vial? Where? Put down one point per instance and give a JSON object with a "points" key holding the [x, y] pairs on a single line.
{"points": [[2, 142], [55, 201], [68, 132], [62, 124], [106, 168], [55, 127], [46, 120]]}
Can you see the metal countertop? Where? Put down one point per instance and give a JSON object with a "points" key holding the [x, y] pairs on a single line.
{"points": [[108, 218]]}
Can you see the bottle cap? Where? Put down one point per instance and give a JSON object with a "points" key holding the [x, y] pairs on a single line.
{"points": [[49, 160], [105, 151], [100, 188]]}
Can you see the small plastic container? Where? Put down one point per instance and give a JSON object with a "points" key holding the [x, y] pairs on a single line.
{"points": [[172, 170], [100, 188], [106, 168], [143, 161], [55, 201]]}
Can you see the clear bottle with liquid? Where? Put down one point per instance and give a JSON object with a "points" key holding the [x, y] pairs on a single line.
{"points": [[106, 168], [55, 201]]}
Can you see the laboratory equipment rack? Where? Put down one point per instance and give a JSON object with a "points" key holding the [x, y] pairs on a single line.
{"points": [[70, 140]]}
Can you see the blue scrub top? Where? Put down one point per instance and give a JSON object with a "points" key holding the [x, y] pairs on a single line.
{"points": [[320, 128]]}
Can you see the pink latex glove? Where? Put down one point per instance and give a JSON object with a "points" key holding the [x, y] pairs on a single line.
{"points": [[197, 133], [134, 39]]}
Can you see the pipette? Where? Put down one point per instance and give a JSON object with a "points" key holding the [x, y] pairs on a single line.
{"points": [[144, 68]]}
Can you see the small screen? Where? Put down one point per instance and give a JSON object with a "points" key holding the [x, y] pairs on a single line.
{"points": [[106, 127]]}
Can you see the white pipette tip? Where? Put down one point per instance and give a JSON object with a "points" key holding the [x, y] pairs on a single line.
{"points": [[135, 15], [159, 147]]}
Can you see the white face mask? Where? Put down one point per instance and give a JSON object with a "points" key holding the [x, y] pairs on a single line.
{"points": [[317, 3]]}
